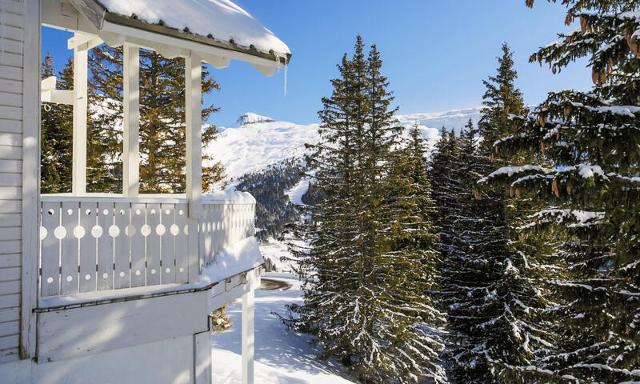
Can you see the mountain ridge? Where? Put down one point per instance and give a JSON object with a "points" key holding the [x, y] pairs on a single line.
{"points": [[259, 141]]}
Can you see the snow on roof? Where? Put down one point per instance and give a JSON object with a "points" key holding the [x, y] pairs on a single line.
{"points": [[221, 20]]}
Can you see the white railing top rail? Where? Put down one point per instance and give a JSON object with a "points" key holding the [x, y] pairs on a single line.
{"points": [[113, 198], [225, 197]]}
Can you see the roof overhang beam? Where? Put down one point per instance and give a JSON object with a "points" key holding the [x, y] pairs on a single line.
{"points": [[79, 39]]}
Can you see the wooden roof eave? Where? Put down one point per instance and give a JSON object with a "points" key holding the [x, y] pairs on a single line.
{"points": [[265, 62]]}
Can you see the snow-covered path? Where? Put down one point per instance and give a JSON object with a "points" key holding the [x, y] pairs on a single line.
{"points": [[282, 356]]}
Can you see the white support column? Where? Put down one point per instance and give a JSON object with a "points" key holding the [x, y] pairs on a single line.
{"points": [[202, 358], [79, 167], [131, 131], [193, 115], [248, 329], [30, 177]]}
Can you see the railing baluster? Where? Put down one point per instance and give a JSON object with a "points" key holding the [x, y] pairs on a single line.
{"points": [[87, 239], [181, 244], [208, 234], [153, 244], [121, 246], [50, 249], [105, 246], [216, 233], [136, 228], [168, 244], [69, 249]]}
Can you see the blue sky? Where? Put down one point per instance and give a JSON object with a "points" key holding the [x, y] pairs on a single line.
{"points": [[435, 53]]}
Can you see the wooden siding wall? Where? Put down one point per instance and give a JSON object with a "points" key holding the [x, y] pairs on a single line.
{"points": [[12, 23]]}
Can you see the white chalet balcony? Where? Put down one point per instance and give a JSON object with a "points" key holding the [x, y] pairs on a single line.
{"points": [[118, 288], [93, 244]]}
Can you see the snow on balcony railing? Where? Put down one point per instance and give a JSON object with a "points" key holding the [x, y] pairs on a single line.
{"points": [[104, 242], [227, 218]]}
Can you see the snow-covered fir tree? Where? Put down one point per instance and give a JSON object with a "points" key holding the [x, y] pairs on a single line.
{"points": [[460, 276], [415, 253], [368, 267], [586, 174], [56, 130], [446, 188], [527, 336], [483, 292], [450, 186], [491, 285]]}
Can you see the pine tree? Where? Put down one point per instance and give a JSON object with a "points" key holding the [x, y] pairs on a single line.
{"points": [[475, 291], [491, 279], [104, 138], [162, 128], [56, 132], [502, 103], [468, 275], [415, 249], [447, 187], [525, 269], [584, 170], [413, 166], [367, 275], [162, 120]]}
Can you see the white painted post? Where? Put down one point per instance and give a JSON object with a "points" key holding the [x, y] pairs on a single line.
{"points": [[131, 134], [193, 114], [79, 166], [30, 177], [248, 329], [202, 358]]}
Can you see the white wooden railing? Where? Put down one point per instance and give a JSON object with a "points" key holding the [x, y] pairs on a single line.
{"points": [[224, 222], [103, 242]]}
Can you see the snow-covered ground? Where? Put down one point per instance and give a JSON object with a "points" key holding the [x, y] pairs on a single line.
{"points": [[295, 194], [259, 141], [275, 251], [281, 355]]}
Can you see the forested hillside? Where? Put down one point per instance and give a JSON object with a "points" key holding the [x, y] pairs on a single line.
{"points": [[274, 209]]}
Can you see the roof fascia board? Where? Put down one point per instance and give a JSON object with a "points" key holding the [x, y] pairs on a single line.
{"points": [[171, 32]]}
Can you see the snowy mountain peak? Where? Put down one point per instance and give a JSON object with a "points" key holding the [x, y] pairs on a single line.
{"points": [[253, 118]]}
